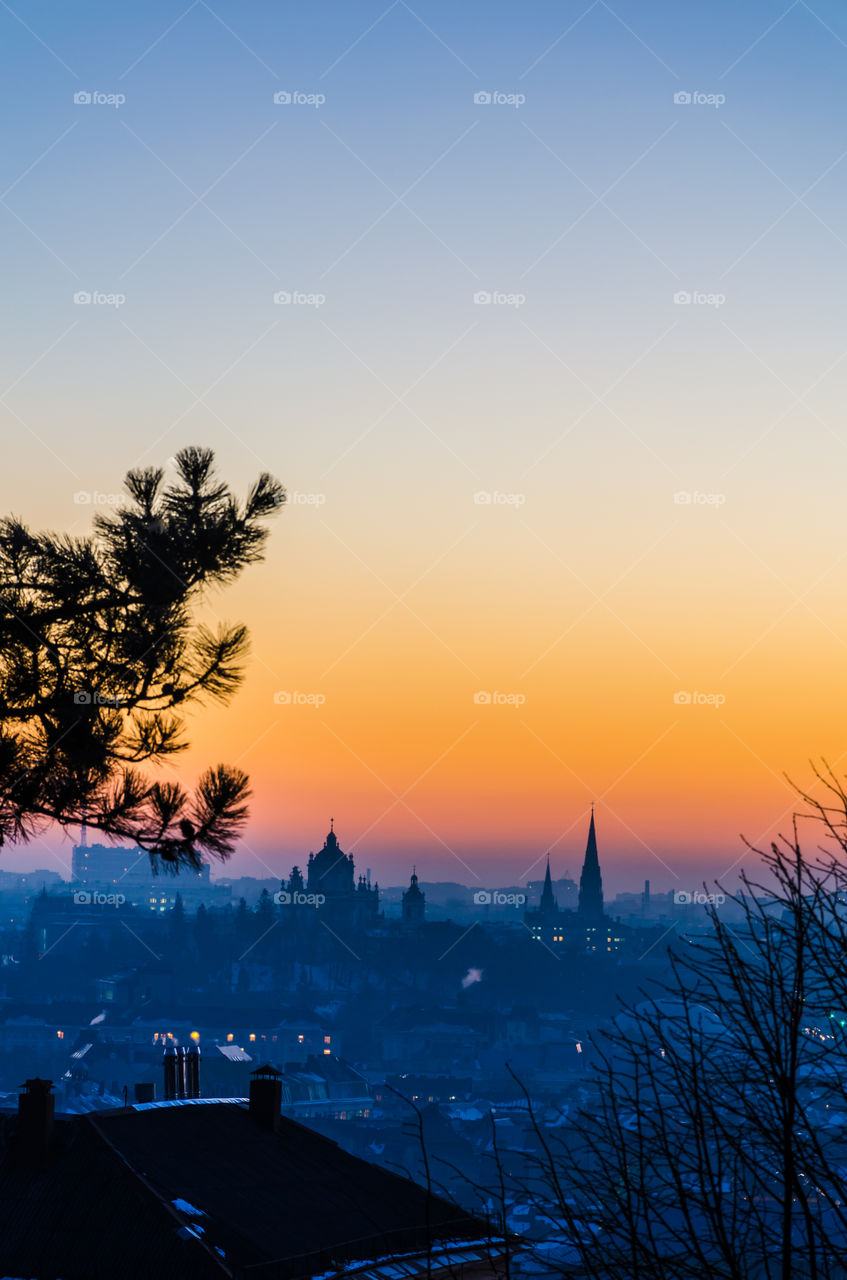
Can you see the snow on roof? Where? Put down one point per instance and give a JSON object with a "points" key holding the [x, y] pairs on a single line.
{"points": [[183, 1102], [233, 1053], [185, 1207]]}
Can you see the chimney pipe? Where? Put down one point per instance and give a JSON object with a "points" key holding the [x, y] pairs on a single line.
{"points": [[180, 1072], [170, 1066], [192, 1071], [266, 1097], [36, 1107]]}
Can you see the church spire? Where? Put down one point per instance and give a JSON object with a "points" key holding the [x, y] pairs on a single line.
{"points": [[548, 905], [590, 881]]}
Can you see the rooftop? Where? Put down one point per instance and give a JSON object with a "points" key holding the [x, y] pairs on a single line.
{"points": [[284, 1204]]}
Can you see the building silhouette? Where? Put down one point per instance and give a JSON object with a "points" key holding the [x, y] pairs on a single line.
{"points": [[414, 904], [590, 907], [585, 929], [331, 880]]}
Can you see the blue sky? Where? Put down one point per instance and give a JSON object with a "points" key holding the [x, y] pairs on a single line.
{"points": [[386, 208]]}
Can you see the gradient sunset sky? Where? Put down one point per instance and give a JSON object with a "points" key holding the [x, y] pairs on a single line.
{"points": [[582, 399]]}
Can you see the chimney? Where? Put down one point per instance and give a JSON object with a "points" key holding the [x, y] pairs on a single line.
{"points": [[180, 1072], [266, 1097], [170, 1066], [192, 1071], [36, 1106]]}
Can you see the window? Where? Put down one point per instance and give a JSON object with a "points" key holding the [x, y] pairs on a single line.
{"points": [[230, 1038], [327, 1039], [252, 1035]]}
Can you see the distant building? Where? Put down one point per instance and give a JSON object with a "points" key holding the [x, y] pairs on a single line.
{"points": [[100, 864], [590, 909], [114, 869], [414, 904], [330, 882], [587, 928]]}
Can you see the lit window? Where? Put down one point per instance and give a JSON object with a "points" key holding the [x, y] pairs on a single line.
{"points": [[230, 1038], [300, 1039], [252, 1035], [327, 1039], [60, 1034], [327, 1051]]}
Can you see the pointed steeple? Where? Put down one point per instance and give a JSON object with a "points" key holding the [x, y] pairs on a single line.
{"points": [[548, 905], [590, 881], [414, 902]]}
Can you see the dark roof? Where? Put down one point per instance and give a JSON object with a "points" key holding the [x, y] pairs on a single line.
{"points": [[289, 1204]]}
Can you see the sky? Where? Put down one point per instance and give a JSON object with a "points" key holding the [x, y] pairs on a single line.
{"points": [[537, 311]]}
